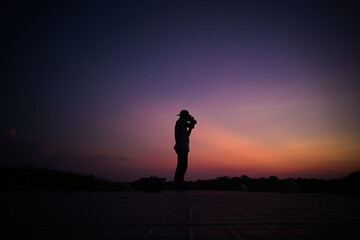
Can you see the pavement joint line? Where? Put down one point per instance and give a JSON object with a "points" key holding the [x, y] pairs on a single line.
{"points": [[166, 214], [191, 214], [234, 233], [148, 234], [191, 233], [216, 214]]}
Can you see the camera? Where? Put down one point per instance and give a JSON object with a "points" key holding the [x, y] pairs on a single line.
{"points": [[192, 120]]}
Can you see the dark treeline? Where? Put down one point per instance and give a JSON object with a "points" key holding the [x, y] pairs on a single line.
{"points": [[31, 178], [43, 179], [271, 184], [347, 185]]}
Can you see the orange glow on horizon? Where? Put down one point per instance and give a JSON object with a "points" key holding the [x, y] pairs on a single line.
{"points": [[214, 147], [263, 148]]}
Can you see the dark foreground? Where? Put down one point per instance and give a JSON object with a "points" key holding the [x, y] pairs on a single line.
{"points": [[178, 215]]}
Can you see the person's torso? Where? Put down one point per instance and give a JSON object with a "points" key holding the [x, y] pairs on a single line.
{"points": [[181, 134]]}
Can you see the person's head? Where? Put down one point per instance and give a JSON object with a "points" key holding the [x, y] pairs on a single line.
{"points": [[184, 114]]}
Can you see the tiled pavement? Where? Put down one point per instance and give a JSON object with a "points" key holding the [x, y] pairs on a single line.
{"points": [[178, 215]]}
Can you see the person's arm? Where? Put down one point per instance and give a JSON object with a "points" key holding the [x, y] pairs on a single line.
{"points": [[190, 126], [189, 131]]}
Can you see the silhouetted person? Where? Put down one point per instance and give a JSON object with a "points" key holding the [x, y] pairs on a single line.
{"points": [[183, 128]]}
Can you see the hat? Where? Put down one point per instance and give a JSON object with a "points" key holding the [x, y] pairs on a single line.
{"points": [[184, 113]]}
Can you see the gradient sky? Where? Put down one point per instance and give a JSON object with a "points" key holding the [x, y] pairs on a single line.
{"points": [[95, 87]]}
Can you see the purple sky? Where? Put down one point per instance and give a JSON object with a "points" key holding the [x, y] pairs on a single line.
{"points": [[95, 87]]}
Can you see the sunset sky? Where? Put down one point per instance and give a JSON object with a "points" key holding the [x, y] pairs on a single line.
{"points": [[95, 86]]}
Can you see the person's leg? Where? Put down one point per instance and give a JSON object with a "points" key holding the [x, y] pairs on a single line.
{"points": [[181, 167], [184, 165], [177, 176]]}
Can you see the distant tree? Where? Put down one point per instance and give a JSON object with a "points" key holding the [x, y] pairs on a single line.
{"points": [[273, 178], [223, 178], [244, 177]]}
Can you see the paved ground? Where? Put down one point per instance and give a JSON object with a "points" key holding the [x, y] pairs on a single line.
{"points": [[178, 215]]}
